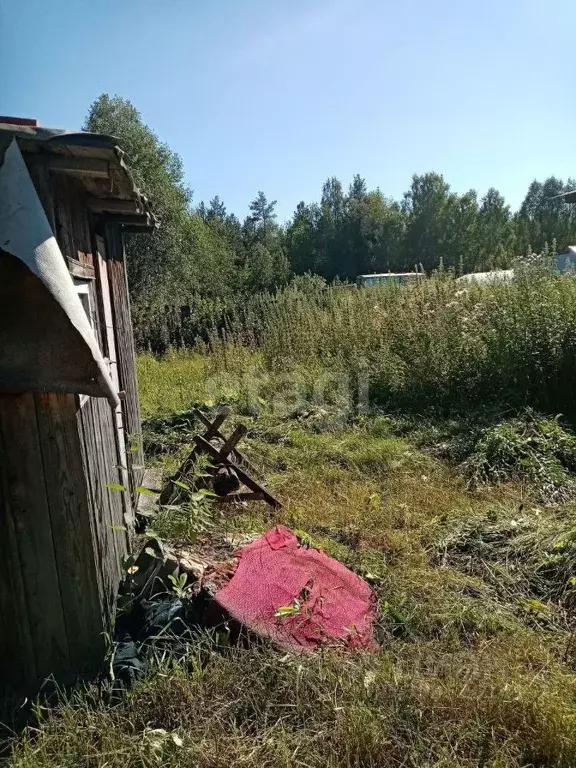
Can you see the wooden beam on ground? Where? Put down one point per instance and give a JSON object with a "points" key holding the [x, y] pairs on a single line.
{"points": [[232, 441], [152, 481], [212, 426], [214, 431]]}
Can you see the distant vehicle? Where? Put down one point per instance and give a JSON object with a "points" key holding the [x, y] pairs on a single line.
{"points": [[388, 277], [495, 276]]}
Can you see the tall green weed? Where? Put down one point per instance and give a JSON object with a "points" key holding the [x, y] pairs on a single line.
{"points": [[436, 343]]}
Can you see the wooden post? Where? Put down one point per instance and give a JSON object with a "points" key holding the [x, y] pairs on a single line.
{"points": [[213, 430]]}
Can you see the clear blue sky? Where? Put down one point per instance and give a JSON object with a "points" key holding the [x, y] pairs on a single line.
{"points": [[278, 95]]}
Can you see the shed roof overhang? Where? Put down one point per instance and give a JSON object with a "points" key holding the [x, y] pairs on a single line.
{"points": [[96, 160], [46, 341]]}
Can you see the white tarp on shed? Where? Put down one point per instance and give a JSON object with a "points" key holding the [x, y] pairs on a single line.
{"points": [[46, 341]]}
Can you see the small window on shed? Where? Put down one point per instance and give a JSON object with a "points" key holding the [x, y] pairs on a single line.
{"points": [[83, 291]]}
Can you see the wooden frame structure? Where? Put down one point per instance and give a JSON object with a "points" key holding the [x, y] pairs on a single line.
{"points": [[222, 452]]}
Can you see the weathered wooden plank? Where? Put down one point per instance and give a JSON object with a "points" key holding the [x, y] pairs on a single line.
{"points": [[125, 354], [67, 495], [92, 447], [96, 322], [231, 442], [107, 323], [132, 222], [102, 460], [109, 475], [101, 205], [96, 538], [213, 427], [119, 504], [26, 499], [72, 227], [152, 481], [17, 658], [78, 269], [102, 292]]}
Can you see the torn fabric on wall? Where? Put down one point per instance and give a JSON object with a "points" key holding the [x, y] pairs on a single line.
{"points": [[46, 341]]}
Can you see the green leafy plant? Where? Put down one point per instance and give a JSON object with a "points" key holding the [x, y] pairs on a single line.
{"points": [[116, 487], [188, 520], [179, 584]]}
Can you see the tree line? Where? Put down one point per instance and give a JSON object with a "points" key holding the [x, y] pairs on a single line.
{"points": [[204, 249]]}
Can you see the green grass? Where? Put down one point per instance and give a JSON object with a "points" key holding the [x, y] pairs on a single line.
{"points": [[171, 385], [474, 581]]}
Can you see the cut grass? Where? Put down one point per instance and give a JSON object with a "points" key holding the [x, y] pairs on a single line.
{"points": [[504, 703], [472, 670]]}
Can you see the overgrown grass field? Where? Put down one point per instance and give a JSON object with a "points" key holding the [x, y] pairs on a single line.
{"points": [[413, 434], [438, 342]]}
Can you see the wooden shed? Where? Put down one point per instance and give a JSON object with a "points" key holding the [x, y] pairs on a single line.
{"points": [[69, 416]]}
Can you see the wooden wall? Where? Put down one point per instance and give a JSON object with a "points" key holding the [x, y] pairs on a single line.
{"points": [[61, 536], [76, 234], [50, 601], [106, 507], [125, 352], [71, 224], [62, 528]]}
